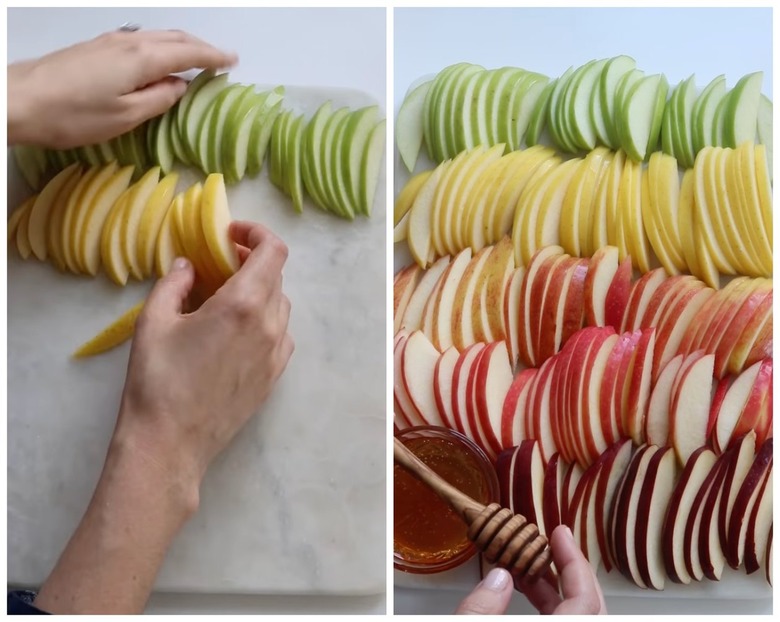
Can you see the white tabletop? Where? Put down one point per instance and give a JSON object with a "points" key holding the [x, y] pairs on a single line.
{"points": [[310, 47], [676, 42]]}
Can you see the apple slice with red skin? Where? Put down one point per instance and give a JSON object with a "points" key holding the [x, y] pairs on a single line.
{"points": [[528, 482], [727, 315], [642, 292], [617, 295], [473, 429], [554, 477], [460, 377], [443, 304], [512, 314], [406, 407], [759, 526], [744, 502], [657, 420], [615, 461], [756, 340], [746, 387], [462, 322], [744, 453], [717, 401], [584, 521], [640, 384], [764, 423], [553, 308], [538, 295], [505, 468], [623, 384], [413, 315], [493, 381], [560, 380], [624, 518], [694, 524], [690, 408], [711, 548], [673, 327], [513, 411], [700, 324], [575, 504], [573, 312], [418, 362], [657, 489], [442, 385], [692, 480], [493, 297], [404, 284], [590, 418], [570, 482], [543, 426], [601, 272], [752, 412], [529, 280], [768, 558], [610, 425], [661, 296]]}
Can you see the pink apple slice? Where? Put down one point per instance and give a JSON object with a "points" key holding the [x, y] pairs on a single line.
{"points": [[445, 300], [418, 362], [640, 385], [573, 311], [404, 285], [512, 412], [460, 378], [593, 374], [494, 379], [407, 409], [690, 408], [752, 412], [642, 292], [601, 272], [442, 386]]}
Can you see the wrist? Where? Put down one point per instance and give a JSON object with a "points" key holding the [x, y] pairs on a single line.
{"points": [[21, 106]]}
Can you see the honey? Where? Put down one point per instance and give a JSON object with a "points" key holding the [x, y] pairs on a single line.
{"points": [[427, 532]]}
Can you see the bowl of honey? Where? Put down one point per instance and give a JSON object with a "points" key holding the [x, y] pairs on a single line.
{"points": [[428, 536]]}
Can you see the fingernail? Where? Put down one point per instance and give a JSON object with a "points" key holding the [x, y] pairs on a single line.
{"points": [[496, 580], [180, 263], [568, 532]]}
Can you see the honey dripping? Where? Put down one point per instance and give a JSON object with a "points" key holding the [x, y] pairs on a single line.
{"points": [[426, 529]]}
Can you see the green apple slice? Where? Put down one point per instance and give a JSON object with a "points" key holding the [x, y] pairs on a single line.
{"points": [[563, 116], [538, 118], [371, 164], [704, 112], [458, 106], [203, 89], [508, 112], [277, 146], [29, 165], [176, 145], [741, 116], [432, 100], [597, 113], [497, 103], [669, 143], [453, 104], [261, 128], [185, 104], [163, 153], [107, 154], [464, 134], [235, 143], [335, 124], [294, 149], [642, 115], [409, 125], [580, 104], [223, 104], [764, 127], [624, 88], [89, 155], [552, 112], [356, 136], [202, 143], [685, 103], [442, 131], [716, 131], [524, 106], [611, 76], [337, 186], [478, 112], [312, 141]]}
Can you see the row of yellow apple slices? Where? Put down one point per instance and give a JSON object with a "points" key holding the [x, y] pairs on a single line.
{"points": [[716, 221], [87, 219]]}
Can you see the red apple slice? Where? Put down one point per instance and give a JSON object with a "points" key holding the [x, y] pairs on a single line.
{"points": [[492, 298], [711, 550], [690, 408], [738, 290], [473, 430], [759, 526], [734, 403], [442, 386], [445, 299], [717, 401], [494, 379], [623, 383], [657, 420], [700, 325], [752, 412], [744, 502], [418, 362], [654, 497], [756, 340], [462, 321], [413, 315], [404, 285], [407, 409], [617, 295], [768, 558], [512, 411], [460, 377], [603, 266], [736, 471], [609, 422], [528, 484], [554, 477], [558, 389], [692, 480], [538, 294], [575, 504], [573, 312], [593, 374], [764, 423], [584, 522], [505, 468], [642, 292], [553, 308], [512, 314], [570, 482], [640, 385]]}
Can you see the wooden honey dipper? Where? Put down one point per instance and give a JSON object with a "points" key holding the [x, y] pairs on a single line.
{"points": [[507, 540]]}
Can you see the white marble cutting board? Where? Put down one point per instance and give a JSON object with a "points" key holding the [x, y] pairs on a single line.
{"points": [[297, 503]]}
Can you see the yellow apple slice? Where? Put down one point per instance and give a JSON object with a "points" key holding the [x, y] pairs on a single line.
{"points": [[215, 218], [685, 223], [60, 227], [715, 210], [708, 269], [578, 199], [75, 218], [664, 192], [137, 201], [111, 241], [631, 204], [406, 198], [197, 243], [54, 250], [119, 331], [41, 210], [151, 221], [705, 227], [479, 198], [440, 222], [526, 212], [587, 202], [167, 246], [401, 229], [548, 219], [764, 186], [14, 219], [655, 229], [22, 237], [88, 255], [736, 202], [421, 217], [746, 178]]}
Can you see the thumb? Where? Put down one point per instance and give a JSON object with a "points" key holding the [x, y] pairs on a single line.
{"points": [[169, 294], [490, 597]]}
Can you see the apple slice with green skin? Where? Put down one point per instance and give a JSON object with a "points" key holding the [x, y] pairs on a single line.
{"points": [[740, 117], [500, 91], [692, 480], [614, 69], [88, 249], [311, 167], [432, 98], [189, 124], [764, 127], [42, 209], [581, 99], [669, 143], [642, 113], [451, 105], [162, 153], [234, 150], [325, 159], [538, 119], [703, 113], [293, 155], [553, 121], [335, 187], [371, 164], [216, 220], [29, 165], [439, 113], [210, 157], [357, 133], [260, 134], [565, 132], [409, 125], [525, 105], [278, 143], [184, 112], [151, 220], [176, 144], [684, 122], [759, 529]]}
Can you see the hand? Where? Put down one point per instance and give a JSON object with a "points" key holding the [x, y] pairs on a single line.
{"points": [[581, 590], [93, 91], [194, 380]]}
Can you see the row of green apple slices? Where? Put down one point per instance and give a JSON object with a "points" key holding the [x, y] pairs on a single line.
{"points": [[604, 102], [335, 157]]}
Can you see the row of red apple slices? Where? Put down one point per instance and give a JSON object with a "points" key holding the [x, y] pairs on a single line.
{"points": [[466, 300], [637, 511]]}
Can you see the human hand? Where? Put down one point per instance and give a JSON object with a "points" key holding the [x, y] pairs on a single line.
{"points": [[580, 587], [98, 89], [194, 380]]}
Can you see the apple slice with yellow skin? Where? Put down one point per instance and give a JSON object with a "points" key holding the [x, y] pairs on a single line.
{"points": [[194, 237], [94, 220], [611, 190], [110, 242], [137, 200], [76, 216], [688, 239], [708, 268], [421, 223], [61, 227], [638, 245], [41, 209], [746, 182], [654, 227], [446, 206], [764, 186], [526, 211], [662, 208], [704, 215], [113, 335], [13, 221], [151, 220], [54, 250], [22, 237], [409, 192], [496, 273], [434, 205], [588, 201], [478, 201], [167, 248], [578, 199], [737, 201], [548, 220]]}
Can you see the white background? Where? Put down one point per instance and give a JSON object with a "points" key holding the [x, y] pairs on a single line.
{"points": [[310, 47], [676, 42]]}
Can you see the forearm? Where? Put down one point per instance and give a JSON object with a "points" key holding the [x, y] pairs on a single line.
{"points": [[21, 105], [110, 563]]}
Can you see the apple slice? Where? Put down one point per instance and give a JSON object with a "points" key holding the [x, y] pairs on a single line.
{"points": [[42, 208], [600, 275], [573, 311], [755, 343], [614, 461], [406, 407], [640, 385], [554, 476], [491, 284], [512, 314], [413, 315], [570, 482], [690, 408], [542, 421], [611, 416], [119, 331], [642, 292], [538, 294], [592, 373], [513, 410], [216, 219], [744, 502], [759, 526], [445, 300], [505, 469], [620, 405], [462, 320], [717, 401], [460, 380], [735, 403], [657, 420], [442, 385], [553, 308], [409, 130], [404, 284], [528, 483], [493, 381], [584, 519], [417, 367], [735, 473], [617, 295], [421, 221], [22, 238]]}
